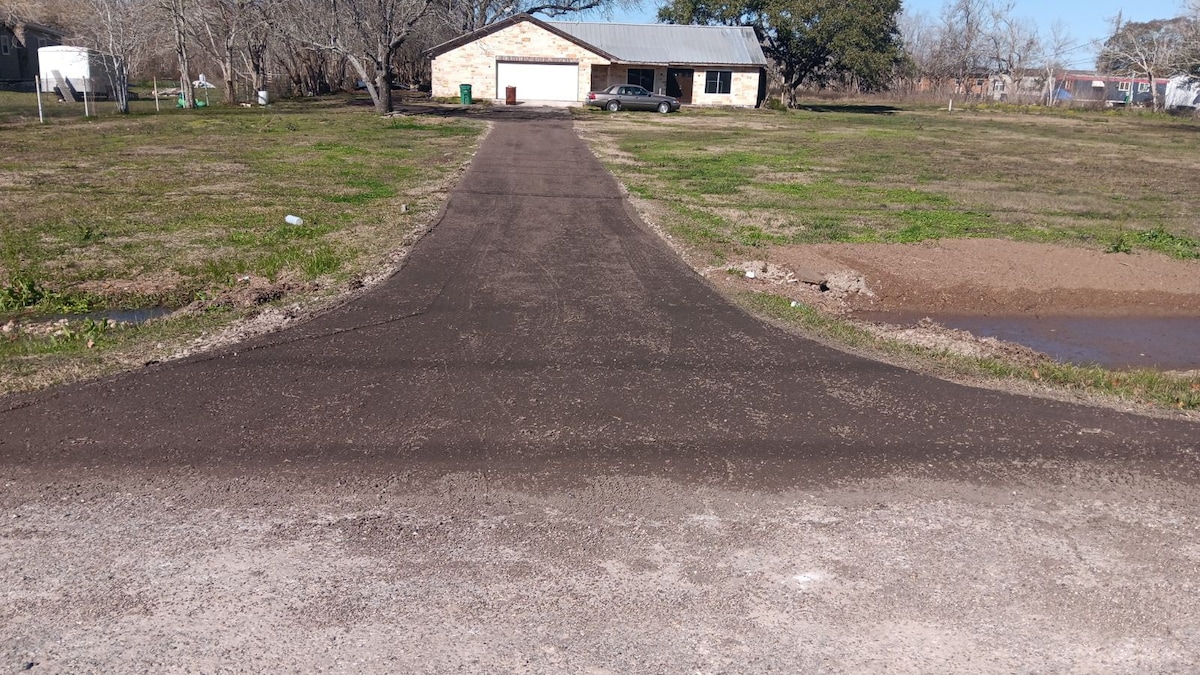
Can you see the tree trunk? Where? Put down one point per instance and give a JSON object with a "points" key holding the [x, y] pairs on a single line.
{"points": [[121, 87], [372, 84], [185, 76], [179, 26], [383, 85], [227, 73]]}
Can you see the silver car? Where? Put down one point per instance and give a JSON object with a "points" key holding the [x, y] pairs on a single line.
{"points": [[631, 97]]}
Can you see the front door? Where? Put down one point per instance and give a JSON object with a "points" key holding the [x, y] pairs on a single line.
{"points": [[679, 83]]}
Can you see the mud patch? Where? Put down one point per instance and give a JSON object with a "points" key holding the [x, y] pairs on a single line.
{"points": [[931, 335], [989, 277]]}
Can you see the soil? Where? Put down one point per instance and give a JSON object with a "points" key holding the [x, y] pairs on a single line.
{"points": [[993, 277], [886, 288]]}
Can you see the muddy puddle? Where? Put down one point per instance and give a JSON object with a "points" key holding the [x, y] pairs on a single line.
{"points": [[120, 315], [1170, 343]]}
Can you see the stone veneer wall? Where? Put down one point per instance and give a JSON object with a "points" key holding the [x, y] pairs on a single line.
{"points": [[475, 62], [743, 90]]}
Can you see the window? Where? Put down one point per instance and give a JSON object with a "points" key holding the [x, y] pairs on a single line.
{"points": [[718, 81], [979, 82], [998, 86], [5, 46], [1143, 87], [642, 77], [1124, 86]]}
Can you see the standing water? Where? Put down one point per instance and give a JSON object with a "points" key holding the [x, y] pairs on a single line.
{"points": [[1166, 343]]}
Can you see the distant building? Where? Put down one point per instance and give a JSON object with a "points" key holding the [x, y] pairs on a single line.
{"points": [[563, 61], [1085, 88], [19, 42]]}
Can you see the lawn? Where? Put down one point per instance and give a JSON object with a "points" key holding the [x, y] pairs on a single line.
{"points": [[163, 209], [739, 180], [732, 185]]}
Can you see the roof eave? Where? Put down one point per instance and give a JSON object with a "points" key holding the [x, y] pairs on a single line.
{"points": [[686, 64], [467, 38]]}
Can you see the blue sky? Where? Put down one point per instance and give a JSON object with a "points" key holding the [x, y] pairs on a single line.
{"points": [[1088, 20]]}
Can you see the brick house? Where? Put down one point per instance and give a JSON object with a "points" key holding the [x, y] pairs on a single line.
{"points": [[19, 42], [563, 61]]}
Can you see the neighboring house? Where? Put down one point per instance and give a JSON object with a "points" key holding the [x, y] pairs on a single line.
{"points": [[1084, 88], [1022, 87], [563, 61], [19, 42], [975, 85]]}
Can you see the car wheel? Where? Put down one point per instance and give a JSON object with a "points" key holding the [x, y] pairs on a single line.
{"points": [[613, 106], [664, 107]]}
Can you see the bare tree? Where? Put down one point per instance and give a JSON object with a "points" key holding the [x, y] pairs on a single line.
{"points": [[1057, 43], [255, 43], [1151, 49], [219, 27], [367, 33], [1014, 41], [920, 38], [119, 29], [177, 13], [465, 16], [962, 49]]}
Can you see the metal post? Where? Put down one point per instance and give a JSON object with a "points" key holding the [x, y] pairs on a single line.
{"points": [[156, 108], [87, 84], [37, 80]]}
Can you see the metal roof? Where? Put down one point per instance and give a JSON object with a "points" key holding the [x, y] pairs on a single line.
{"points": [[670, 43]]}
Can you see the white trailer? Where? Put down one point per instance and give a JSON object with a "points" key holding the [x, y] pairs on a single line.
{"points": [[1182, 92], [75, 70]]}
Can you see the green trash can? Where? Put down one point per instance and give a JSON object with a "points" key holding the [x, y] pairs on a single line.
{"points": [[464, 94]]}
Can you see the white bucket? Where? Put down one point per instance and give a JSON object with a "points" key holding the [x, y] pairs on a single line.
{"points": [[262, 96]]}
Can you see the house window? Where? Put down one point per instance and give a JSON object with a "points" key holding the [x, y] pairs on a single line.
{"points": [[1143, 87], [1124, 86], [642, 77], [998, 86], [5, 47], [718, 81]]}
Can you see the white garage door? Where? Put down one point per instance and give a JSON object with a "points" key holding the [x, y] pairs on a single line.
{"points": [[539, 81]]}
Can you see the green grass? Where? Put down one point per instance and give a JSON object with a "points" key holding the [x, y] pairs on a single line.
{"points": [[158, 209], [737, 183], [839, 174]]}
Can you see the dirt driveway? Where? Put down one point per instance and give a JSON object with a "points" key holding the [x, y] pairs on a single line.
{"points": [[547, 445]]}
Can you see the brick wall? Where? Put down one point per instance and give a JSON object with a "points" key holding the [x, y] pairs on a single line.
{"points": [[475, 63]]}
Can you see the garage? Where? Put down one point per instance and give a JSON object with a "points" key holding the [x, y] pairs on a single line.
{"points": [[539, 81]]}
